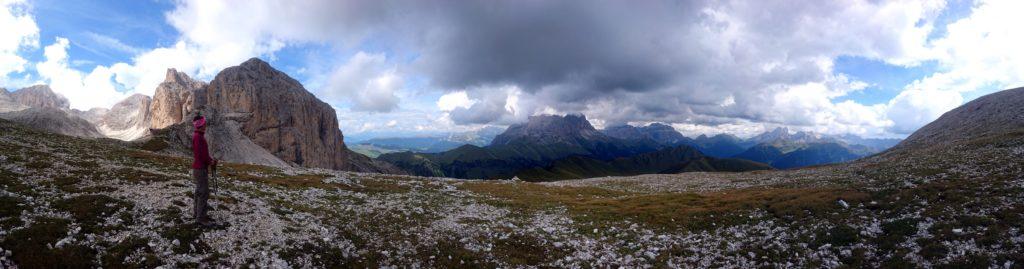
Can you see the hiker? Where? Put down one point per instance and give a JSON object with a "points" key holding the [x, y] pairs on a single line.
{"points": [[200, 165]]}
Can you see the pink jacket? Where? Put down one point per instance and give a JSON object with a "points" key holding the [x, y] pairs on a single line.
{"points": [[200, 152]]}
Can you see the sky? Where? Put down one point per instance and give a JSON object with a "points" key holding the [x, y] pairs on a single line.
{"points": [[399, 68]]}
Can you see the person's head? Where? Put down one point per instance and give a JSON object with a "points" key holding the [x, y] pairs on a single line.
{"points": [[199, 122]]}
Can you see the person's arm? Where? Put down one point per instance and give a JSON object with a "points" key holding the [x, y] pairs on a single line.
{"points": [[207, 160]]}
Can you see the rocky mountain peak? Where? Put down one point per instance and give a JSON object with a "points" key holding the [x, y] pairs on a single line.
{"points": [[779, 133], [172, 100], [660, 127], [549, 129], [7, 103], [276, 112], [40, 96]]}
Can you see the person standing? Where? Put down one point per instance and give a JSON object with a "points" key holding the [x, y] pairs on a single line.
{"points": [[200, 164]]}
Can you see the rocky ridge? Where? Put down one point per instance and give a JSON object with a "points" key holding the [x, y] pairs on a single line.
{"points": [[53, 120], [7, 102], [40, 96], [993, 114]]}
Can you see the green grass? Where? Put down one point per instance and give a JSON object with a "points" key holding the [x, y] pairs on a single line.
{"points": [[667, 210], [91, 211], [33, 246], [117, 254], [10, 212], [187, 235]]}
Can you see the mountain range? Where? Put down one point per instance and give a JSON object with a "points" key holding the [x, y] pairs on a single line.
{"points": [[548, 147], [779, 147], [428, 144]]}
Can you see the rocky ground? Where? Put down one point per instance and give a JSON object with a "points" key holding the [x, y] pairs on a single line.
{"points": [[69, 202]]}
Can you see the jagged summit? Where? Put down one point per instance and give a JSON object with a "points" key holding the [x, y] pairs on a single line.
{"points": [[776, 134], [40, 96], [7, 102], [172, 100], [550, 129]]}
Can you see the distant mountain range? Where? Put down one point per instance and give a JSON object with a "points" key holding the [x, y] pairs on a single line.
{"points": [[549, 147], [427, 144], [779, 147]]}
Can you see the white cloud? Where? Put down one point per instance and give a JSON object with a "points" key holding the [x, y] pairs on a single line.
{"points": [[981, 51], [451, 101], [113, 43], [914, 108], [723, 64], [19, 33], [367, 81], [84, 91], [743, 129]]}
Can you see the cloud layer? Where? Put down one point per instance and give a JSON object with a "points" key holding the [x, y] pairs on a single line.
{"points": [[704, 66]]}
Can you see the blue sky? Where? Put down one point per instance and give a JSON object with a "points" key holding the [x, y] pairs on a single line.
{"points": [[877, 69]]}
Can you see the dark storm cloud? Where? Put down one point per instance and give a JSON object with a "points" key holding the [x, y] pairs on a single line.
{"points": [[589, 46], [698, 62]]}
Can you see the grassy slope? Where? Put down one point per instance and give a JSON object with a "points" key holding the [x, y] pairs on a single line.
{"points": [[667, 161], [67, 202]]}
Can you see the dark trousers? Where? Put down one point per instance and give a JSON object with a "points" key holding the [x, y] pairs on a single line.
{"points": [[201, 195]]}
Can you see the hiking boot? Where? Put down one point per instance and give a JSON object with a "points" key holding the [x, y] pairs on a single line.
{"points": [[206, 223]]}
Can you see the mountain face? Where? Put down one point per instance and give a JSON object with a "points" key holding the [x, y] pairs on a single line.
{"points": [[278, 114], [172, 101], [7, 102], [657, 132], [127, 120], [764, 153], [721, 145], [550, 129], [53, 120], [93, 115], [40, 96], [994, 114]]}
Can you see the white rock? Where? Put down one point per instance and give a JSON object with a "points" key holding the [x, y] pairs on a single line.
{"points": [[958, 231], [844, 204]]}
